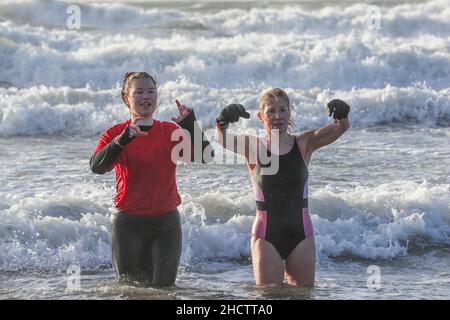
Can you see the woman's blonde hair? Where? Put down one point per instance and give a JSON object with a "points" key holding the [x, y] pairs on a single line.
{"points": [[130, 76]]}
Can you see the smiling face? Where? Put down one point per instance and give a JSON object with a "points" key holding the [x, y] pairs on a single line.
{"points": [[274, 111], [141, 97]]}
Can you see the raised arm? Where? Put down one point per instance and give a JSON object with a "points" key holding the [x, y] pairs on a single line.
{"points": [[318, 138], [201, 149], [102, 161], [239, 144]]}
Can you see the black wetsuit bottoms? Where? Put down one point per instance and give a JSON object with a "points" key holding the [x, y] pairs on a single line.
{"points": [[146, 250]]}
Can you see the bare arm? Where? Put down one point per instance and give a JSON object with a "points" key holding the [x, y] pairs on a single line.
{"points": [[239, 144], [329, 134], [321, 137], [317, 138]]}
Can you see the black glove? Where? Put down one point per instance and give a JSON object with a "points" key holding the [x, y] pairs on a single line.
{"points": [[340, 109], [124, 138], [230, 114]]}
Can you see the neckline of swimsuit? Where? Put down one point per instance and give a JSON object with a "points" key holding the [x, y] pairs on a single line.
{"points": [[284, 154]]}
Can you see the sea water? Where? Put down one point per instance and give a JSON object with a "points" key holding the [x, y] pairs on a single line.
{"points": [[379, 196]]}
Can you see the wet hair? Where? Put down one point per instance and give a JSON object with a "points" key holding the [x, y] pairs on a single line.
{"points": [[274, 94], [130, 76]]}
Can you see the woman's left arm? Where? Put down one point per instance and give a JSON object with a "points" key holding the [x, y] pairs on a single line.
{"points": [[318, 138], [201, 149]]}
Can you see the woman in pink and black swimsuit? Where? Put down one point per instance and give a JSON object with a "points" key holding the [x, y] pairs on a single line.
{"points": [[282, 242]]}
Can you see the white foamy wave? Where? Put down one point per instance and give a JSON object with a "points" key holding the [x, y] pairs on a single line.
{"points": [[382, 222], [419, 105], [407, 20], [341, 62], [201, 241], [368, 223], [400, 20], [53, 14], [339, 53], [47, 110], [41, 234], [52, 235]]}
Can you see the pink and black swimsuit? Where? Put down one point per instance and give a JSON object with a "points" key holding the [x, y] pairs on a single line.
{"points": [[282, 216]]}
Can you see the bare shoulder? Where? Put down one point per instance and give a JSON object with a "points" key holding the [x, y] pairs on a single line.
{"points": [[304, 138]]}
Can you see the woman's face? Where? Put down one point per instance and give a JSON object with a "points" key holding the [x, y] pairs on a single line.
{"points": [[142, 97], [275, 115]]}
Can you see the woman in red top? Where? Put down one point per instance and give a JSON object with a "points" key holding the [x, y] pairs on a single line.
{"points": [[146, 230]]}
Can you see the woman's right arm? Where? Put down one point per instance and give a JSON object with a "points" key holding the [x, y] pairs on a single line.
{"points": [[103, 160], [237, 143], [240, 144], [109, 149]]}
